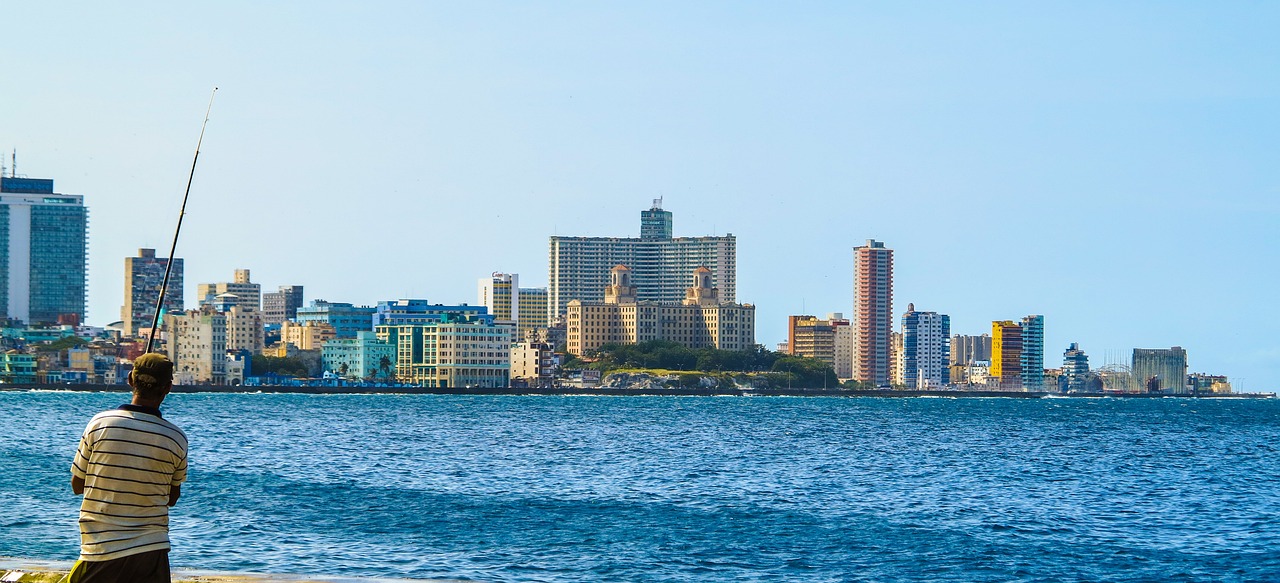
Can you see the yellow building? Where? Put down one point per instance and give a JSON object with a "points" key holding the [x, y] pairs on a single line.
{"points": [[307, 335], [1006, 355], [700, 321]]}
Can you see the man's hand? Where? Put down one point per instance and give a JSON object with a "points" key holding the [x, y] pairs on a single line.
{"points": [[77, 485], [174, 493]]}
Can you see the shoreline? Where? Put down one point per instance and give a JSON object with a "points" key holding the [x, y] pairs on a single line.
{"points": [[624, 392]]}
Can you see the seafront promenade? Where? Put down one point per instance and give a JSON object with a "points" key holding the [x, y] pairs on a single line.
{"points": [[625, 392]]}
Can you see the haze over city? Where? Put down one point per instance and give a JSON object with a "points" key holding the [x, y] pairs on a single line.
{"points": [[1112, 168]]}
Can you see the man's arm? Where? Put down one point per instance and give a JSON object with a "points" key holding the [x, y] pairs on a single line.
{"points": [[174, 493], [77, 485]]}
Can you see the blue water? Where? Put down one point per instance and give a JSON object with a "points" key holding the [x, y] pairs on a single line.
{"points": [[688, 489]]}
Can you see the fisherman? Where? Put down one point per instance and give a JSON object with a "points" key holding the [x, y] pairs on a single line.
{"points": [[129, 467]]}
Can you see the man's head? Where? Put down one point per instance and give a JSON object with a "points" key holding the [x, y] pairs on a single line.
{"points": [[152, 376]]}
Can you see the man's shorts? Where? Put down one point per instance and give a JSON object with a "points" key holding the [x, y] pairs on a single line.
{"points": [[150, 567]]}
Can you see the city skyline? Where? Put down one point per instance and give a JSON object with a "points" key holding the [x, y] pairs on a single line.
{"points": [[1085, 162]]}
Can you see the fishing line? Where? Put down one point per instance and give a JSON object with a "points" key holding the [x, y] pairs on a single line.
{"points": [[164, 284]]}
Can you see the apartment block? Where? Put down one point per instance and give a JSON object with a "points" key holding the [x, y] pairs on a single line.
{"points": [[143, 277]]}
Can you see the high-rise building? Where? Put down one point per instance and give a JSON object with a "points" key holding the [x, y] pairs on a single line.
{"points": [[198, 346], [249, 293], [143, 276], [1075, 369], [1032, 353], [966, 350], [843, 345], [810, 337], [500, 293], [578, 267], [702, 320], [243, 329], [872, 312], [532, 305], [1162, 369], [926, 348], [281, 305], [1006, 355], [43, 243]]}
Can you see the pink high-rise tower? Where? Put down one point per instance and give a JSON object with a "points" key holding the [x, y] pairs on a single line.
{"points": [[872, 312]]}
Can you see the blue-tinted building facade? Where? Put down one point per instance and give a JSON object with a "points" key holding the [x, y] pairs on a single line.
{"points": [[346, 319], [1032, 359], [42, 276]]}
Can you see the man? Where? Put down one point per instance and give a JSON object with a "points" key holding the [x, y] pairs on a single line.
{"points": [[130, 466]]}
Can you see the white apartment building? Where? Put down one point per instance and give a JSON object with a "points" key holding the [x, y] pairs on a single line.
{"points": [[660, 264]]}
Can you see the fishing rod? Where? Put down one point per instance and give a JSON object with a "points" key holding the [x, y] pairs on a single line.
{"points": [[168, 266]]}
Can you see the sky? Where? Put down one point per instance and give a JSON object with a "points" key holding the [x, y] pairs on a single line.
{"points": [[1110, 165]]}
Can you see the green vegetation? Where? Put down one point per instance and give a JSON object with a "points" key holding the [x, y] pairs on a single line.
{"points": [[689, 366], [62, 344], [284, 366]]}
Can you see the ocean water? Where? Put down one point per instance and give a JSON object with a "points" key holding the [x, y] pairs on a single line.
{"points": [[686, 488]]}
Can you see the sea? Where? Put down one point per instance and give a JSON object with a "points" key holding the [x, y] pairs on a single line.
{"points": [[580, 488]]}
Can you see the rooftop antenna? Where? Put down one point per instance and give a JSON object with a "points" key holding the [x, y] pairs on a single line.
{"points": [[13, 168], [168, 265]]}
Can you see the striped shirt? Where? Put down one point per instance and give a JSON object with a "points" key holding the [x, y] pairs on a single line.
{"points": [[128, 460]]}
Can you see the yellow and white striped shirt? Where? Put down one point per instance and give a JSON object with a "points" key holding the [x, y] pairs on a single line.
{"points": [[128, 458]]}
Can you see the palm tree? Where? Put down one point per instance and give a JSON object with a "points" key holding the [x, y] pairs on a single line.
{"points": [[342, 369], [384, 365]]}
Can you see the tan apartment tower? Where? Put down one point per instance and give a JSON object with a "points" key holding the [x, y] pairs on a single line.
{"points": [[872, 312], [142, 278]]}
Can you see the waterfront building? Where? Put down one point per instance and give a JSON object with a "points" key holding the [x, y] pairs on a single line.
{"points": [[460, 349], [1006, 356], [346, 319], [810, 337], [362, 357], [967, 349], [1075, 370], [1200, 383], [143, 276], [872, 312], [926, 349], [1167, 367], [197, 346], [533, 363], [310, 335], [244, 328], [281, 305], [843, 345], [579, 267], [248, 293], [1032, 356], [702, 320], [43, 248], [17, 368]]}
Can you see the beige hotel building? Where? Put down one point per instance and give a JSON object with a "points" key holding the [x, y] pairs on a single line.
{"points": [[700, 321]]}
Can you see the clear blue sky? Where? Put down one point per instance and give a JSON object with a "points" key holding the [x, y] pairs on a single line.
{"points": [[1112, 166]]}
